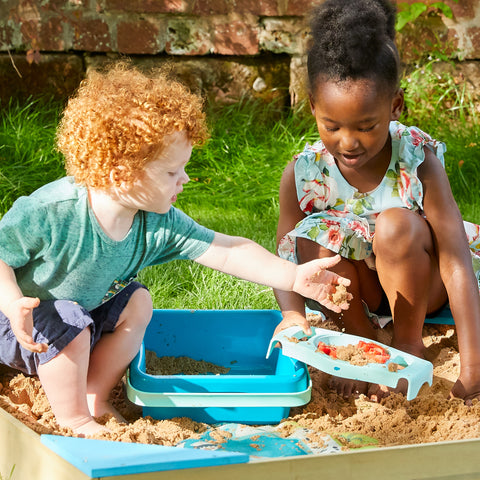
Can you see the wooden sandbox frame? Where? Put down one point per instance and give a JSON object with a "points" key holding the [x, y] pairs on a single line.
{"points": [[21, 447]]}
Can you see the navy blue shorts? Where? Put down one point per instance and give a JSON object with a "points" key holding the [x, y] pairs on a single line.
{"points": [[57, 323]]}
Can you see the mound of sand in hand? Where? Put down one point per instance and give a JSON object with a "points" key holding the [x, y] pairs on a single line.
{"points": [[431, 417]]}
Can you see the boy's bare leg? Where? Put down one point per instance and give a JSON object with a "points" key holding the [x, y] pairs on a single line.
{"points": [[114, 351], [64, 379]]}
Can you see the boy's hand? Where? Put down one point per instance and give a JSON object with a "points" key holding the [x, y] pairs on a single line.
{"points": [[21, 320], [316, 282]]}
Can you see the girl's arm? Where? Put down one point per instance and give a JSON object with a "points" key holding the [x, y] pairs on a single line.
{"points": [[18, 309], [246, 259], [456, 270]]}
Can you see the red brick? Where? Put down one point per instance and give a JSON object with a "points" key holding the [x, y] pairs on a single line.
{"points": [[257, 7], [6, 37], [211, 7], [236, 37], [91, 35], [140, 37], [148, 6], [51, 35], [300, 8]]}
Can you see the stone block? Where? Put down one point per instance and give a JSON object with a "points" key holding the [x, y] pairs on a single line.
{"points": [[188, 36], [222, 80], [283, 35], [55, 75]]}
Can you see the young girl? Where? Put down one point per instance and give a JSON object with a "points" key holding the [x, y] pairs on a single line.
{"points": [[376, 192], [70, 310]]}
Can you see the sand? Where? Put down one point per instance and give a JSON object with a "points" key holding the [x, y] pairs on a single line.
{"points": [[431, 417]]}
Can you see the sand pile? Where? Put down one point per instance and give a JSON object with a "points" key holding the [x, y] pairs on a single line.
{"points": [[431, 417]]}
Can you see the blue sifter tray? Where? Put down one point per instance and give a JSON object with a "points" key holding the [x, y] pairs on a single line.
{"points": [[400, 365]]}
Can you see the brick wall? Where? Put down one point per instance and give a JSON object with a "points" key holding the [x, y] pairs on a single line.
{"points": [[223, 48]]}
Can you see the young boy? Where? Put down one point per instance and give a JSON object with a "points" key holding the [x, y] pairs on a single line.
{"points": [[70, 311]]}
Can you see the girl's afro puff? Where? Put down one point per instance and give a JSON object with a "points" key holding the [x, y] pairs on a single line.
{"points": [[354, 39]]}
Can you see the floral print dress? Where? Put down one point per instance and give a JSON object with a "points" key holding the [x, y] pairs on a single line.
{"points": [[341, 218]]}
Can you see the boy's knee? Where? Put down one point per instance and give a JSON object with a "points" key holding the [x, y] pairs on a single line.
{"points": [[139, 308]]}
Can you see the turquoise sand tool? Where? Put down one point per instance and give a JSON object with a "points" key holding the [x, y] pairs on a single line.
{"points": [[296, 344]]}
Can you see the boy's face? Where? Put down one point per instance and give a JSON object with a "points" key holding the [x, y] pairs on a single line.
{"points": [[162, 179]]}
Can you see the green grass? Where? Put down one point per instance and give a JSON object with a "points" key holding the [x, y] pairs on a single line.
{"points": [[234, 180]]}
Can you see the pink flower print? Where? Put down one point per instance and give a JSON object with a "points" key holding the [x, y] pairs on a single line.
{"points": [[286, 248], [335, 238], [359, 227], [405, 188], [318, 194], [418, 138]]}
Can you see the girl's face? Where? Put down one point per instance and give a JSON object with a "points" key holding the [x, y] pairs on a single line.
{"points": [[162, 179], [353, 120]]}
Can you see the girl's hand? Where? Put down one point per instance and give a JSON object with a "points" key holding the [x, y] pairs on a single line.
{"points": [[314, 281], [292, 319], [21, 320]]}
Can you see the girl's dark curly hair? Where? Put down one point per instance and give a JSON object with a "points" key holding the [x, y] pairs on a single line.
{"points": [[354, 39]]}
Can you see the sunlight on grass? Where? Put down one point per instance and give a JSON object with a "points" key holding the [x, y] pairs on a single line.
{"points": [[234, 180]]}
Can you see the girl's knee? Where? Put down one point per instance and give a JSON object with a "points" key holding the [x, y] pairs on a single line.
{"points": [[401, 230]]}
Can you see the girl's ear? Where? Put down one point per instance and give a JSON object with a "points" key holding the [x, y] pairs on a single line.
{"points": [[397, 105], [312, 104]]}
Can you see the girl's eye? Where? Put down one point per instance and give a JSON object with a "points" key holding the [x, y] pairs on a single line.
{"points": [[330, 129], [367, 129]]}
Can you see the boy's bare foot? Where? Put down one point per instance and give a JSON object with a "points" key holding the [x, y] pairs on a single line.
{"points": [[99, 408], [90, 428]]}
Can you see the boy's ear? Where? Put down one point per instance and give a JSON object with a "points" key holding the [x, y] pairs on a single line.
{"points": [[116, 177], [397, 104]]}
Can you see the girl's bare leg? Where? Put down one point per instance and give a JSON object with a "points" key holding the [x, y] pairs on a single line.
{"points": [[364, 286], [114, 351], [407, 267]]}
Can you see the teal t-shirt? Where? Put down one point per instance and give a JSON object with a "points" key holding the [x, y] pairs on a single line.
{"points": [[58, 250]]}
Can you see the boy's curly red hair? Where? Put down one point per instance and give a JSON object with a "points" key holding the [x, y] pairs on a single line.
{"points": [[117, 119]]}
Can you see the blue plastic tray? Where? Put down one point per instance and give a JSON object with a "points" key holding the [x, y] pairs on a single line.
{"points": [[256, 390]]}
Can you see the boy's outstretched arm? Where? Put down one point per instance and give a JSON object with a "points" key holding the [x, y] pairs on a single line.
{"points": [[246, 259], [18, 309]]}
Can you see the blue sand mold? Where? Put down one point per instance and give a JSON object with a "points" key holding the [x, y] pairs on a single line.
{"points": [[99, 458]]}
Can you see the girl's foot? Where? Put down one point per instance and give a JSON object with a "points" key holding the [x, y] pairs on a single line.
{"points": [[347, 387]]}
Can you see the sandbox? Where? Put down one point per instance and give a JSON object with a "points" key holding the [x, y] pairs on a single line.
{"points": [[429, 437]]}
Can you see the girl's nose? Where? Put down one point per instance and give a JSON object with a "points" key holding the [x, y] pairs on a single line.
{"points": [[349, 142]]}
